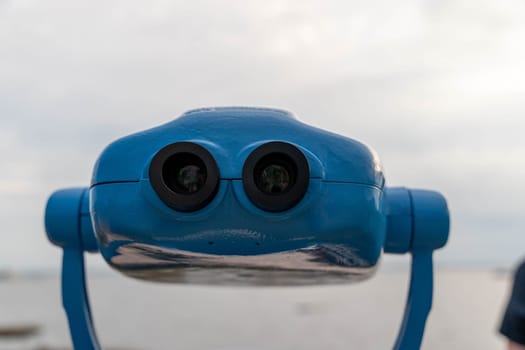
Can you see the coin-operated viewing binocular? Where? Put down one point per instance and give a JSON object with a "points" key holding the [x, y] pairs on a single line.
{"points": [[243, 196]]}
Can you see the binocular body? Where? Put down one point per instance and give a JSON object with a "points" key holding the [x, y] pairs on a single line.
{"points": [[243, 196], [246, 196]]}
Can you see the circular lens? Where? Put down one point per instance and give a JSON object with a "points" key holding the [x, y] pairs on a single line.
{"points": [[275, 173], [191, 178], [276, 176], [184, 175], [274, 179]]}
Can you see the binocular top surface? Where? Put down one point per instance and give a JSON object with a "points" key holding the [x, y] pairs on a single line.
{"points": [[230, 135]]}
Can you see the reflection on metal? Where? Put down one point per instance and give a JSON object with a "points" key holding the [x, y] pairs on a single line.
{"points": [[319, 264]]}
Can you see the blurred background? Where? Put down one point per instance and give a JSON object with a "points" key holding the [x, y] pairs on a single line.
{"points": [[435, 87]]}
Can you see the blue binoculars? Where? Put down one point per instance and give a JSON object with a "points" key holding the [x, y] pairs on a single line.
{"points": [[243, 196]]}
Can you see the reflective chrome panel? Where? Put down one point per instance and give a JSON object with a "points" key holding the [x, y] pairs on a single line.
{"points": [[319, 264]]}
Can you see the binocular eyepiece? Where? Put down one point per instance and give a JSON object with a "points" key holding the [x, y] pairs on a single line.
{"points": [[185, 176]]}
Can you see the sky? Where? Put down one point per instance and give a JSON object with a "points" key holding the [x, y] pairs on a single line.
{"points": [[435, 87]]}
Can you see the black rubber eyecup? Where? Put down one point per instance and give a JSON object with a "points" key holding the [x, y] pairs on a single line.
{"points": [[276, 176], [185, 176]]}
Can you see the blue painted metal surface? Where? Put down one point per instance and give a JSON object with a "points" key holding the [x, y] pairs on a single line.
{"points": [[66, 225], [419, 302], [336, 233], [76, 302]]}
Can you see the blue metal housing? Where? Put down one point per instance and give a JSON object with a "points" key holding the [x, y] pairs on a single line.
{"points": [[336, 233], [340, 220]]}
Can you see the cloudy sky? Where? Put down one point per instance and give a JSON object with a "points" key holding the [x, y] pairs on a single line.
{"points": [[436, 87]]}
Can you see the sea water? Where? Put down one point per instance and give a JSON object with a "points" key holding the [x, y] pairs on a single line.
{"points": [[131, 314]]}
